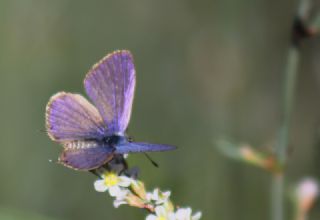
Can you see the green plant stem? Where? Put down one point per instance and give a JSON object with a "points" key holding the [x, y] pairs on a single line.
{"points": [[288, 98], [277, 188], [277, 197]]}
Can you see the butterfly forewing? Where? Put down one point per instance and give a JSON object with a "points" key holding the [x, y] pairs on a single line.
{"points": [[110, 84], [71, 117]]}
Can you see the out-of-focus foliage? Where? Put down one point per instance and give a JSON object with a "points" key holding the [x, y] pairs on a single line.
{"points": [[204, 69], [12, 214]]}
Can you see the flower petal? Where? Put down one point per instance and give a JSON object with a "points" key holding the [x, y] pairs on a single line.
{"points": [[196, 216], [171, 216], [122, 194], [183, 213], [114, 191], [124, 181], [151, 217], [160, 211], [155, 194], [117, 203], [100, 186], [163, 197], [149, 196], [166, 194]]}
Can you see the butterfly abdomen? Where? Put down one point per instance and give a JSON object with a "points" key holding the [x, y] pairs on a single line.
{"points": [[77, 145]]}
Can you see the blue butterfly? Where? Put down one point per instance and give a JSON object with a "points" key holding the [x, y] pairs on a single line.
{"points": [[92, 135]]}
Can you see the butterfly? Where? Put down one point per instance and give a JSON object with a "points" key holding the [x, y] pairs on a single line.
{"points": [[93, 134]]}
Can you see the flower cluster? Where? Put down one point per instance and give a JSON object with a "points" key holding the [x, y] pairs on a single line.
{"points": [[126, 190]]}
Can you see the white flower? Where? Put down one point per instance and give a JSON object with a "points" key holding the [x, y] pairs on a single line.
{"points": [[158, 197], [121, 198], [161, 214], [113, 183], [185, 214]]}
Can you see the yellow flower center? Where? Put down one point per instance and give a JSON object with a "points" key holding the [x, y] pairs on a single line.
{"points": [[161, 218], [111, 179]]}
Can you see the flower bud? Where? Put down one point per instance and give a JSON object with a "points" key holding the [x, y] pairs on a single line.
{"points": [[139, 189], [306, 193], [135, 201]]}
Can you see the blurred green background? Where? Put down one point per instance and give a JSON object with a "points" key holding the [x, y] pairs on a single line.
{"points": [[205, 69]]}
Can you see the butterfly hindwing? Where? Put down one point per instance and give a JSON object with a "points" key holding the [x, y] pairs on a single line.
{"points": [[85, 155]]}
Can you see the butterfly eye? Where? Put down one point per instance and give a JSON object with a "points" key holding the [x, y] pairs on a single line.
{"points": [[113, 140], [107, 140]]}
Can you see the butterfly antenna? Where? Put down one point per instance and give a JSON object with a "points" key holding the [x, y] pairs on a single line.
{"points": [[53, 161], [42, 130], [152, 161]]}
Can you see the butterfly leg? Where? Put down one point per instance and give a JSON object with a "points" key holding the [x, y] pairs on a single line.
{"points": [[118, 164], [96, 173]]}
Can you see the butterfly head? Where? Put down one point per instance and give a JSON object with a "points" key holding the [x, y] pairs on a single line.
{"points": [[115, 140]]}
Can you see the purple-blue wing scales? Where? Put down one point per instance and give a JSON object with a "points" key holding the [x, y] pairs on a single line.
{"points": [[85, 157], [71, 117], [139, 147], [110, 85]]}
